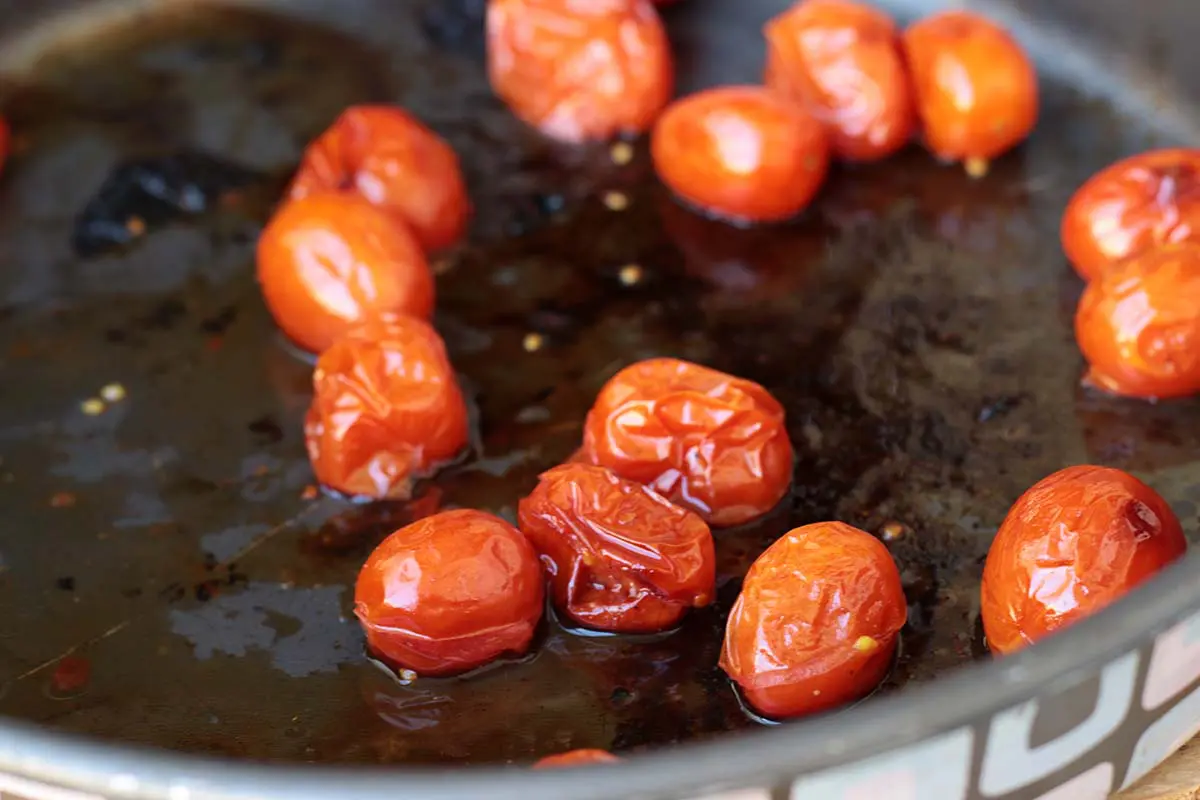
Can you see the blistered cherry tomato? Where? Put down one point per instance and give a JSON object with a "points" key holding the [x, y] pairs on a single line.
{"points": [[576, 758], [327, 262], [1134, 205], [976, 89], [816, 623], [580, 71], [1138, 325], [841, 59], [619, 556], [386, 409], [450, 593], [705, 440], [1072, 544], [741, 153]]}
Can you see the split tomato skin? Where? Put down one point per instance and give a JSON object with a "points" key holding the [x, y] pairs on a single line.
{"points": [[705, 440], [741, 153], [389, 158], [450, 593], [619, 557], [817, 622], [328, 262], [1075, 542], [576, 758], [386, 409]]}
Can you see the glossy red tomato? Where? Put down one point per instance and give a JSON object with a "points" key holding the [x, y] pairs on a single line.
{"points": [[706, 440], [976, 89], [619, 556], [1138, 325], [1072, 544], [841, 59], [450, 593], [741, 153], [580, 70], [328, 262], [816, 623], [576, 758], [386, 409], [388, 157], [1134, 205]]}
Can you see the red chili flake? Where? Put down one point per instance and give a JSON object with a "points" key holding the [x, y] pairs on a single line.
{"points": [[71, 675], [213, 344], [309, 493], [62, 500]]}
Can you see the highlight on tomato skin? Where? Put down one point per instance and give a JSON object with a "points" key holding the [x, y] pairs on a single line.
{"points": [[618, 556], [741, 153], [817, 622], [1139, 203], [576, 758], [450, 593], [1138, 325], [1074, 543], [580, 71], [386, 409]]}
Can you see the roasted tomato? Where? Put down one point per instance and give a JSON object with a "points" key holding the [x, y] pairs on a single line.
{"points": [[976, 89], [450, 593], [842, 61], [816, 623], [386, 409], [1071, 545], [706, 440], [1134, 205], [328, 262], [576, 758], [741, 153], [580, 71], [619, 556], [1138, 325]]}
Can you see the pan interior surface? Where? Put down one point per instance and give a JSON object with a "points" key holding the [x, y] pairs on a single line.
{"points": [[167, 575]]}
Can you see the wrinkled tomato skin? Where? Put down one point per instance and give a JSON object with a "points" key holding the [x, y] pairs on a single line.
{"points": [[619, 557], [976, 89], [389, 158], [841, 60], [1075, 542], [700, 438], [580, 71], [741, 153], [328, 262], [795, 642], [576, 758], [450, 593], [386, 409], [1139, 325], [1143, 202]]}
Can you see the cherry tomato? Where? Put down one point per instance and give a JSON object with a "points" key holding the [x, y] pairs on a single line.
{"points": [[576, 758], [1145, 201], [1138, 325], [816, 623], [580, 71], [450, 593], [386, 409], [391, 159], [841, 59], [705, 440], [1071, 545], [976, 89], [741, 153], [619, 556]]}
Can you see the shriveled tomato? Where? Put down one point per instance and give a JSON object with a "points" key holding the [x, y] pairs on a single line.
{"points": [[841, 59], [741, 153], [817, 621], [327, 262], [576, 758], [450, 593], [976, 89], [386, 409], [1072, 544], [388, 157], [1138, 325], [619, 556], [580, 71], [1137, 204]]}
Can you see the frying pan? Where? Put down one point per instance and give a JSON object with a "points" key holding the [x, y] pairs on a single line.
{"points": [[176, 596]]}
